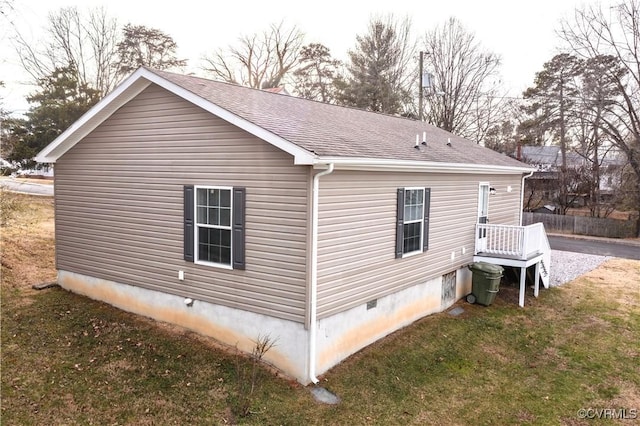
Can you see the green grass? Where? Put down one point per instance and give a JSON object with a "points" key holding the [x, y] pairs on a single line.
{"points": [[70, 360]]}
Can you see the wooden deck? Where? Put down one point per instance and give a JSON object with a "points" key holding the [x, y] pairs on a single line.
{"points": [[516, 246]]}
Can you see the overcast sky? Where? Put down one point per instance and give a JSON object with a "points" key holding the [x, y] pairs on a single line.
{"points": [[522, 33]]}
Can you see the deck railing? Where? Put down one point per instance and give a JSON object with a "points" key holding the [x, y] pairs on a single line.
{"points": [[517, 242]]}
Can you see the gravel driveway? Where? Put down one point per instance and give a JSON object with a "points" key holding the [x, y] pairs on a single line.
{"points": [[567, 266]]}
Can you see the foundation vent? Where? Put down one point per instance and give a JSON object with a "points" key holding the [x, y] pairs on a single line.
{"points": [[448, 288], [372, 304]]}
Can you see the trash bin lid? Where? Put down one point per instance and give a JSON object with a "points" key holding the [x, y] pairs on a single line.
{"points": [[489, 268]]}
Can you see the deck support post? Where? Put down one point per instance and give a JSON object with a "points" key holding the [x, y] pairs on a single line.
{"points": [[523, 279], [536, 287]]}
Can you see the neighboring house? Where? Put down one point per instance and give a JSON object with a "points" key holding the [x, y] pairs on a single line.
{"points": [[543, 187], [549, 158], [237, 213], [547, 209], [281, 90]]}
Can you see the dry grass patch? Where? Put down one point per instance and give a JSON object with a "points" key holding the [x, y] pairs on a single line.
{"points": [[28, 245]]}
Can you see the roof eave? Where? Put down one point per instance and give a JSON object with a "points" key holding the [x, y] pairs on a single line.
{"points": [[379, 164]]}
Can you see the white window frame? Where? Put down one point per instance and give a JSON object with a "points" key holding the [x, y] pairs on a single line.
{"points": [[480, 186], [197, 226], [421, 220]]}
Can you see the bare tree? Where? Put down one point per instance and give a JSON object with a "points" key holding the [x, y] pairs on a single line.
{"points": [[85, 43], [260, 60], [464, 96], [594, 32], [6, 9]]}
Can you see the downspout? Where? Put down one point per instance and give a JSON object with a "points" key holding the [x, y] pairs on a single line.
{"points": [[313, 314], [522, 196]]}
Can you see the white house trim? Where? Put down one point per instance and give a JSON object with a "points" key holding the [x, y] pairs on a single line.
{"points": [[372, 164]]}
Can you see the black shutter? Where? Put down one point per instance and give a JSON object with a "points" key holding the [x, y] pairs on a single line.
{"points": [[425, 230], [400, 223], [188, 223], [238, 226]]}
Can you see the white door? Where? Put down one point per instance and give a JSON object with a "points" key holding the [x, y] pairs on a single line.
{"points": [[483, 213]]}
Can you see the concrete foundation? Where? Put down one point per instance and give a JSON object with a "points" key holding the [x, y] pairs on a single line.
{"points": [[343, 334], [339, 336], [233, 327]]}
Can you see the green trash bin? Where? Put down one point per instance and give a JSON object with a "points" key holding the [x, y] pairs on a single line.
{"points": [[485, 282]]}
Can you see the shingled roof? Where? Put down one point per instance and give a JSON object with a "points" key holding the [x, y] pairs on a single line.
{"points": [[322, 130]]}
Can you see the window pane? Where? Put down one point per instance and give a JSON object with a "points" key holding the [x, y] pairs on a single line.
{"points": [[214, 216], [225, 217], [202, 215], [413, 204], [412, 233], [225, 239], [225, 255], [203, 244], [214, 245], [202, 197], [225, 198], [214, 197], [413, 213]]}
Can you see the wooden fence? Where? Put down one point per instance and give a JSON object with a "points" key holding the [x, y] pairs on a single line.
{"points": [[583, 225]]}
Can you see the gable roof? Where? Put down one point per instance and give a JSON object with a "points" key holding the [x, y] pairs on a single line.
{"points": [[312, 132]]}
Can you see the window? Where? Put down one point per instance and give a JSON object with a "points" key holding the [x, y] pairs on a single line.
{"points": [[412, 231], [413, 220], [214, 225]]}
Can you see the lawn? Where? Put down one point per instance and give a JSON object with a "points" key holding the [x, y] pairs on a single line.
{"points": [[70, 360]]}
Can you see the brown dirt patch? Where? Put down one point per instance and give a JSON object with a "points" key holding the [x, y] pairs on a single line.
{"points": [[27, 242]]}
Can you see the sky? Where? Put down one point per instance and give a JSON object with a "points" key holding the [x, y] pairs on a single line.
{"points": [[522, 33]]}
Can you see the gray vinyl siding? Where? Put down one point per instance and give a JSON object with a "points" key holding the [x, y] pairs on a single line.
{"points": [[357, 223], [119, 213]]}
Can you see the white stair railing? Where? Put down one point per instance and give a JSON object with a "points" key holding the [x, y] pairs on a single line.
{"points": [[519, 242], [502, 240], [516, 242]]}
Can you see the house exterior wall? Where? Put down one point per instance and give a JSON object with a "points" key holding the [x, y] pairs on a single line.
{"points": [[119, 235], [119, 212], [357, 227]]}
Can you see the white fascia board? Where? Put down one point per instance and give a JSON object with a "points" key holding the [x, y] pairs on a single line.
{"points": [[122, 94], [130, 88], [378, 164], [301, 156]]}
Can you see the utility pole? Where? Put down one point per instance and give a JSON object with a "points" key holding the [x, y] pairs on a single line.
{"points": [[421, 87]]}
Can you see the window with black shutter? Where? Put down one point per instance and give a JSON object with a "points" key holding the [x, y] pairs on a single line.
{"points": [[412, 224], [214, 226]]}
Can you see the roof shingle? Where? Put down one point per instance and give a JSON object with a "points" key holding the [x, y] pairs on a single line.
{"points": [[336, 131]]}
